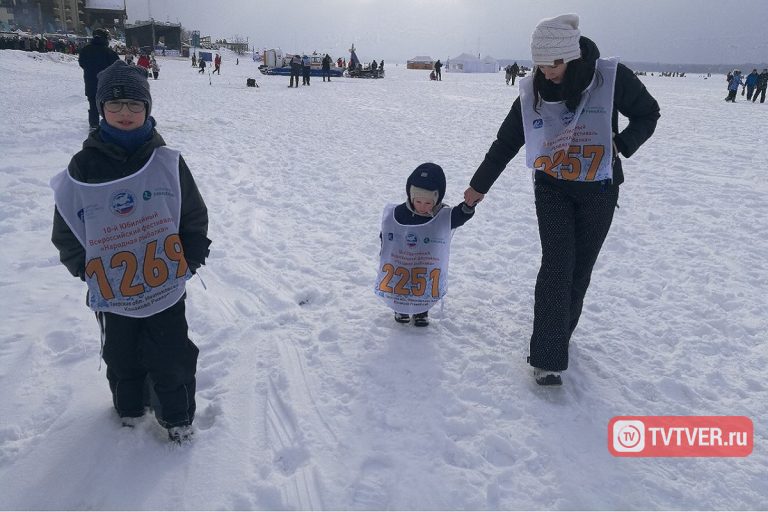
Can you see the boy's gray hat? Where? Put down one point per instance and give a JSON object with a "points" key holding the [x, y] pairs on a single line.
{"points": [[122, 81]]}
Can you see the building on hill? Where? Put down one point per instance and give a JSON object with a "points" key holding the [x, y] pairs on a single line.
{"points": [[420, 62], [56, 16], [238, 46], [109, 14]]}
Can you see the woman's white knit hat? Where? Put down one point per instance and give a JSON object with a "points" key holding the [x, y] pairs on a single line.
{"points": [[556, 39]]}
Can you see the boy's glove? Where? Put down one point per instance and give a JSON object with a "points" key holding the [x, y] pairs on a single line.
{"points": [[469, 210]]}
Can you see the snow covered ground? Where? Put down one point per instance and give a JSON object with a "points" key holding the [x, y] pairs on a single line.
{"points": [[309, 395]]}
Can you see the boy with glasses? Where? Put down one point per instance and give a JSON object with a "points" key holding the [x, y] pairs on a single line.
{"points": [[130, 221]]}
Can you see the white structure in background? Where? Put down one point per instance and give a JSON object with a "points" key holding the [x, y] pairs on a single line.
{"points": [[466, 63]]}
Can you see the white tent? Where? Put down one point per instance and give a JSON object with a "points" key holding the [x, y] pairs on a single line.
{"points": [[466, 63]]}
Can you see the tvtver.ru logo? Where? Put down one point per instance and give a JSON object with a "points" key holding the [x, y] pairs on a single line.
{"points": [[629, 436], [680, 436]]}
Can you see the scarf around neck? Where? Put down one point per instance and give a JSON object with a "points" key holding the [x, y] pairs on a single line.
{"points": [[130, 140]]}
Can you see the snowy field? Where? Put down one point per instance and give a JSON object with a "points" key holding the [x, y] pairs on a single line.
{"points": [[309, 395]]}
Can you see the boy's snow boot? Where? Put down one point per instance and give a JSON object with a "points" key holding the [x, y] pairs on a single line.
{"points": [[402, 318], [181, 434], [421, 319], [547, 377]]}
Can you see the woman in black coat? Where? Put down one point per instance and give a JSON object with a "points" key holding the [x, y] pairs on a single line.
{"points": [[567, 116]]}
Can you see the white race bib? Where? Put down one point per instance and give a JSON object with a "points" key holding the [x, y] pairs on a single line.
{"points": [[573, 146], [134, 261], [413, 264]]}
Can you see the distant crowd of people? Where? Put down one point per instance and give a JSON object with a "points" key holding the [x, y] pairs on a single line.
{"points": [[40, 43], [753, 85]]}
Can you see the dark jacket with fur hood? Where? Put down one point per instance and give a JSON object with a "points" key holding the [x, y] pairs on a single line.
{"points": [[100, 162], [630, 98]]}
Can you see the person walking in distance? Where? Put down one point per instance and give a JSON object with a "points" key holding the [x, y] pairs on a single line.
{"points": [[327, 67], [95, 57]]}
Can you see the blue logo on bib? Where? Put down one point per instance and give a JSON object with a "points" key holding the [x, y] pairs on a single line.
{"points": [[122, 203]]}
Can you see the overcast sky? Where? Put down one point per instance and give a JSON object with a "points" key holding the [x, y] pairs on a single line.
{"points": [[667, 31]]}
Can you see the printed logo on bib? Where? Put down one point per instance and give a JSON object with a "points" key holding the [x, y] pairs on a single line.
{"points": [[411, 240], [567, 117], [122, 203]]}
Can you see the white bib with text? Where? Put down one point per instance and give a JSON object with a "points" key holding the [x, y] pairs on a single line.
{"points": [[413, 264], [573, 146], [134, 262]]}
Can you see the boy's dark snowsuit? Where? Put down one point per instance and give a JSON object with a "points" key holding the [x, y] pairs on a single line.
{"points": [[95, 57], [574, 217], [157, 345]]}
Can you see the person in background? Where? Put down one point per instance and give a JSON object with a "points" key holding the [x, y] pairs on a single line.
{"points": [[733, 86], [567, 118], [144, 62], [327, 67], [515, 69], [217, 64], [155, 67], [750, 83], [95, 57], [296, 66], [305, 69], [438, 68], [146, 236], [762, 84]]}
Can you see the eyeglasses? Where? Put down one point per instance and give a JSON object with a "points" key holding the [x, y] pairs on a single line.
{"points": [[116, 106]]}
